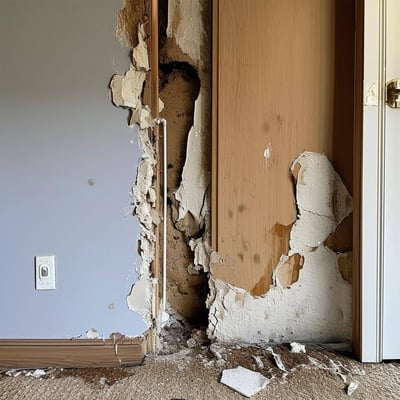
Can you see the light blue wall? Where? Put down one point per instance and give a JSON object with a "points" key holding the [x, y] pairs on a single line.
{"points": [[58, 129]]}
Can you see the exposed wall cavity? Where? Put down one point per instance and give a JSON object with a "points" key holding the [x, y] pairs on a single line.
{"points": [[310, 298], [185, 91], [127, 92]]}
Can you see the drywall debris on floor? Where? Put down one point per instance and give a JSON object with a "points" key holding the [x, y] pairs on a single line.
{"points": [[297, 347], [353, 385], [127, 92], [92, 334], [316, 306], [37, 373], [244, 381], [277, 358]]}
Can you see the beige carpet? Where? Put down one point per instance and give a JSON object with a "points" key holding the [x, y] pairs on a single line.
{"points": [[194, 374]]}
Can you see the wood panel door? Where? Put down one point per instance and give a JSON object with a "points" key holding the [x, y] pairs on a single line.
{"points": [[273, 99]]}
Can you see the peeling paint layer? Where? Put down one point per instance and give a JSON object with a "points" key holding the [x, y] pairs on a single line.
{"points": [[127, 92], [317, 306]]}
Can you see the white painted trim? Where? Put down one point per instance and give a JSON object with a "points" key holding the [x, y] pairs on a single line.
{"points": [[373, 173]]}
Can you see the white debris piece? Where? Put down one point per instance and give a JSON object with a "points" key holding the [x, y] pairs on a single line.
{"points": [[92, 334], [352, 387], [103, 381], [297, 347], [244, 381], [14, 372], [37, 373], [277, 359], [258, 361], [216, 350]]}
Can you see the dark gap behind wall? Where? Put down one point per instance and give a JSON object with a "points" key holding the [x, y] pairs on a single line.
{"points": [[179, 88]]}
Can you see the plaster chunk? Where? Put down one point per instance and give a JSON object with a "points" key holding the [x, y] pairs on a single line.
{"points": [[192, 191], [127, 89], [139, 53]]}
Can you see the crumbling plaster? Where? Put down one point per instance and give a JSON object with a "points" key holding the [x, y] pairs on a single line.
{"points": [[318, 306]]}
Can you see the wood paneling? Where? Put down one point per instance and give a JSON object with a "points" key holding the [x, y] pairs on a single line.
{"points": [[71, 353], [274, 92]]}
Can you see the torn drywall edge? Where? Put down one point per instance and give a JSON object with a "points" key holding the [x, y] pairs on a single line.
{"points": [[127, 92], [316, 307], [140, 299]]}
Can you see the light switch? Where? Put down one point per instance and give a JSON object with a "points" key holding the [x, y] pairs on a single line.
{"points": [[45, 272]]}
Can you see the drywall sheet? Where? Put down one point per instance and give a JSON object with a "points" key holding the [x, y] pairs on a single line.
{"points": [[67, 164]]}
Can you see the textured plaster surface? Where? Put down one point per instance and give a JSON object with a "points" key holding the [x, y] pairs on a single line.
{"points": [[318, 306]]}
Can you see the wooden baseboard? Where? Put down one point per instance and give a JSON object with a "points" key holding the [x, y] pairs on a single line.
{"points": [[74, 353]]}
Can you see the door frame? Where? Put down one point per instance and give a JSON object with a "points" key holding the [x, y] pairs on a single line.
{"points": [[369, 168]]}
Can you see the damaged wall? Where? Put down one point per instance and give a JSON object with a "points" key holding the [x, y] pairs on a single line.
{"points": [[269, 111], [68, 161], [289, 279]]}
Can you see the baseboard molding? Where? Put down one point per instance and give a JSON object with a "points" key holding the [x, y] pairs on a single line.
{"points": [[73, 353]]}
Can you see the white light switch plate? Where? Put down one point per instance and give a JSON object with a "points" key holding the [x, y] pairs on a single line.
{"points": [[45, 272]]}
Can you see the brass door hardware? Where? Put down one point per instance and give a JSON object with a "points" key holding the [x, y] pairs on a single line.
{"points": [[393, 93]]}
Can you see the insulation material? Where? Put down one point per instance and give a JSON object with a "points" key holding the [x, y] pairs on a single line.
{"points": [[127, 92], [317, 306]]}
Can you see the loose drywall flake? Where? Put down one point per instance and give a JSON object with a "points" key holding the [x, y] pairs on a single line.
{"points": [[297, 347], [317, 307], [352, 388], [92, 334], [244, 381], [127, 91]]}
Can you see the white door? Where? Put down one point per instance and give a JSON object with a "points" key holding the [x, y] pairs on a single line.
{"points": [[380, 221]]}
